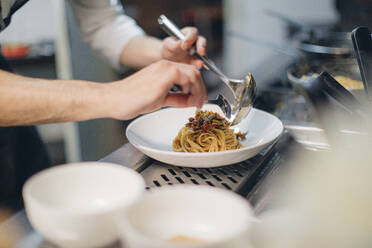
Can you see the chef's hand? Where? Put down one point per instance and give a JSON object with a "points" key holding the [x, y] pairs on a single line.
{"points": [[176, 50], [148, 90]]}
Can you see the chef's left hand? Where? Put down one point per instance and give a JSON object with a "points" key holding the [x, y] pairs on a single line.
{"points": [[177, 51]]}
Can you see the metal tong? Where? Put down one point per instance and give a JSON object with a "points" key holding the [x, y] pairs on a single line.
{"points": [[244, 91]]}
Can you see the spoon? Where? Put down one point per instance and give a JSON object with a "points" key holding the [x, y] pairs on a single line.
{"points": [[244, 91]]}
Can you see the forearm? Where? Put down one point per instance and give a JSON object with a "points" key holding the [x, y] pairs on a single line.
{"points": [[26, 101], [141, 51]]}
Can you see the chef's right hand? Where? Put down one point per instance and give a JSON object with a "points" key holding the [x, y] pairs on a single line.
{"points": [[148, 90]]}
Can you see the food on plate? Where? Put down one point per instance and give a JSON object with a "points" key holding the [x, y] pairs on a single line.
{"points": [[183, 239], [207, 132]]}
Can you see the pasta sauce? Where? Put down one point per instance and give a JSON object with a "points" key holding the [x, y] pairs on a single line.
{"points": [[207, 132]]}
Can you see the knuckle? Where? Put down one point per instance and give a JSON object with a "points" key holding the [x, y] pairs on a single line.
{"points": [[164, 63], [194, 78], [174, 72], [190, 30], [197, 73], [194, 30]]}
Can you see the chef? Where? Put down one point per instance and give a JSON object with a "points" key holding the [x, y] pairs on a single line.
{"points": [[28, 101]]}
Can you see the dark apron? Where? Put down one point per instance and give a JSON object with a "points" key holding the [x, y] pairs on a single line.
{"points": [[22, 153]]}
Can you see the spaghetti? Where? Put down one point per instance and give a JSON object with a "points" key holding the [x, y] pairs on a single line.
{"points": [[207, 132]]}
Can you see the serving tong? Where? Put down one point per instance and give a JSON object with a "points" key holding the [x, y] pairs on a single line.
{"points": [[243, 90]]}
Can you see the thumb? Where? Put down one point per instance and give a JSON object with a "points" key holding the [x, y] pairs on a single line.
{"points": [[172, 44]]}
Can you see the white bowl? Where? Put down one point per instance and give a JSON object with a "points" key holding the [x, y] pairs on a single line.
{"points": [[218, 217], [76, 205], [153, 134]]}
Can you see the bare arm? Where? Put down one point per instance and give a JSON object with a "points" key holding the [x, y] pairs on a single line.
{"points": [[143, 50], [25, 101], [116, 36]]}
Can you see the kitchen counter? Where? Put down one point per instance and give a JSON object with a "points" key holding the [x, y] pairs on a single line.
{"points": [[128, 156]]}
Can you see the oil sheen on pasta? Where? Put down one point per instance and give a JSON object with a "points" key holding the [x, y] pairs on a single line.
{"points": [[207, 132]]}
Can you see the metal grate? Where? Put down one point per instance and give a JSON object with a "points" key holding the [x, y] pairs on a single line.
{"points": [[238, 177]]}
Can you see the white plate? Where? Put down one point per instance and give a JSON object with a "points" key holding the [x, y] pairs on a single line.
{"points": [[153, 134]]}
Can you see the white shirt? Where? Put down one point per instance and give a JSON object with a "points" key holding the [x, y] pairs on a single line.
{"points": [[105, 27]]}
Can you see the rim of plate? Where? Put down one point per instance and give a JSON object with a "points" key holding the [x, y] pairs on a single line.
{"points": [[200, 154]]}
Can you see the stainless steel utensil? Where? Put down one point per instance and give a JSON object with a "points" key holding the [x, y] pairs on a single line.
{"points": [[244, 91]]}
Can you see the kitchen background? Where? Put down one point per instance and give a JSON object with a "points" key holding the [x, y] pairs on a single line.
{"points": [[50, 47]]}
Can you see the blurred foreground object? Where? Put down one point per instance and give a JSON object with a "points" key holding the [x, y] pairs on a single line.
{"points": [[323, 200]]}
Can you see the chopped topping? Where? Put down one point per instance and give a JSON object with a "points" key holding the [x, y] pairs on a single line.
{"points": [[241, 135], [206, 120]]}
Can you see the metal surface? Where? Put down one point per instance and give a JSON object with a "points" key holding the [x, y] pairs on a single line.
{"points": [[244, 91], [241, 177]]}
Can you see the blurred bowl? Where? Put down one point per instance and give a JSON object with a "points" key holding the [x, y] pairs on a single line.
{"points": [[187, 216], [345, 71], [76, 205], [337, 67]]}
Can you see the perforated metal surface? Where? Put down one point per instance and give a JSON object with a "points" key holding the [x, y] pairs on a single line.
{"points": [[237, 177]]}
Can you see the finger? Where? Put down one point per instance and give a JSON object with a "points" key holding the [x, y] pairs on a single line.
{"points": [[185, 89], [189, 76], [176, 100], [201, 45], [196, 95], [172, 44], [198, 63], [191, 35], [204, 97], [203, 91]]}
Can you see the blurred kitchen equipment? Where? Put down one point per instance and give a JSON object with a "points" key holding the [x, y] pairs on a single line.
{"points": [[339, 67], [331, 101], [317, 32], [303, 48], [193, 216], [244, 91], [287, 50], [76, 205], [302, 70], [362, 42], [319, 41]]}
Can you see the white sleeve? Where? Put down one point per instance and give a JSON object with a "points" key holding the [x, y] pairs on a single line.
{"points": [[105, 27]]}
